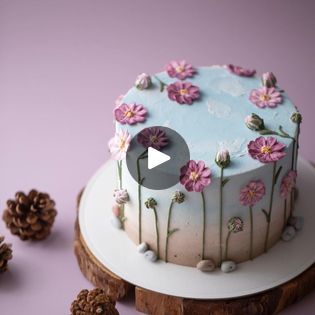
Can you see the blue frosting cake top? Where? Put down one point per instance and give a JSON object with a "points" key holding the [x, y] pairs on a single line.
{"points": [[215, 120]]}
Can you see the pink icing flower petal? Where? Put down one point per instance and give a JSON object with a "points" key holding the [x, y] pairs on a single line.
{"points": [[180, 70], [265, 97], [189, 186], [241, 71], [288, 183], [119, 145], [183, 92], [266, 150], [252, 193], [153, 137], [130, 114], [195, 176]]}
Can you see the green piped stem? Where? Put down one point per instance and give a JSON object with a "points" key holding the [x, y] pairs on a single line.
{"points": [[139, 201], [227, 245], [162, 84], [297, 145], [285, 214], [293, 154], [157, 233], [270, 206], [291, 203], [119, 170], [140, 180], [203, 225], [168, 230], [251, 232], [122, 211], [294, 158], [221, 213], [280, 133]]}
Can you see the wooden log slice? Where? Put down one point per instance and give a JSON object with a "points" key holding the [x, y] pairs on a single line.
{"points": [[266, 303]]}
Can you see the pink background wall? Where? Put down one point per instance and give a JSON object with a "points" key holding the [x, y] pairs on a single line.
{"points": [[62, 64]]}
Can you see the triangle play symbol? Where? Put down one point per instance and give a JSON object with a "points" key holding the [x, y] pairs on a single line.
{"points": [[156, 158]]}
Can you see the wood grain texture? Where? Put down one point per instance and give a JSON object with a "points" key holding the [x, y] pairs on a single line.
{"points": [[266, 303]]}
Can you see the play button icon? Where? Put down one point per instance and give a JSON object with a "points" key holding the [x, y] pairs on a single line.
{"points": [[155, 156]]}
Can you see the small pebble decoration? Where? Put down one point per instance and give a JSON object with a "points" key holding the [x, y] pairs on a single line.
{"points": [[297, 223], [150, 255], [288, 234], [228, 266], [206, 265], [142, 248]]}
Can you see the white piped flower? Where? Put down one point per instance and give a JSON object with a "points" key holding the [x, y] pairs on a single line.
{"points": [[119, 145], [121, 196]]}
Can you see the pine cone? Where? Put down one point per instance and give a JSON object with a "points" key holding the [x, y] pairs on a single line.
{"points": [[94, 302], [5, 254], [30, 216]]}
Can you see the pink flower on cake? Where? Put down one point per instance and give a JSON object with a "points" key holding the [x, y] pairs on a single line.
{"points": [[119, 145], [195, 176], [266, 150], [183, 92], [130, 113], [153, 137], [241, 71], [252, 193], [288, 183], [265, 97], [180, 70]]}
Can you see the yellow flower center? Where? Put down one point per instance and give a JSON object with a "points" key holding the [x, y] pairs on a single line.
{"points": [[264, 97], [265, 149], [153, 139], [129, 114], [122, 144], [194, 176], [250, 194], [183, 91], [179, 69]]}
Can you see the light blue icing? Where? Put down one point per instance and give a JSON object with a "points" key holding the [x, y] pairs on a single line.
{"points": [[216, 119]]}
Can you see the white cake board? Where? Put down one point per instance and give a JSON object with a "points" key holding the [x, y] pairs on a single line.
{"points": [[118, 253]]}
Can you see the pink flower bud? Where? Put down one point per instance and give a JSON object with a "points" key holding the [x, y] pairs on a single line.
{"points": [[223, 158], [143, 81], [254, 122], [268, 79]]}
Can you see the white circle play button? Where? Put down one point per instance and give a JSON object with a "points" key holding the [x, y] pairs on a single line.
{"points": [[155, 157]]}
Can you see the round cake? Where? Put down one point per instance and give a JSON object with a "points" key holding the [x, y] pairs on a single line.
{"points": [[235, 196]]}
